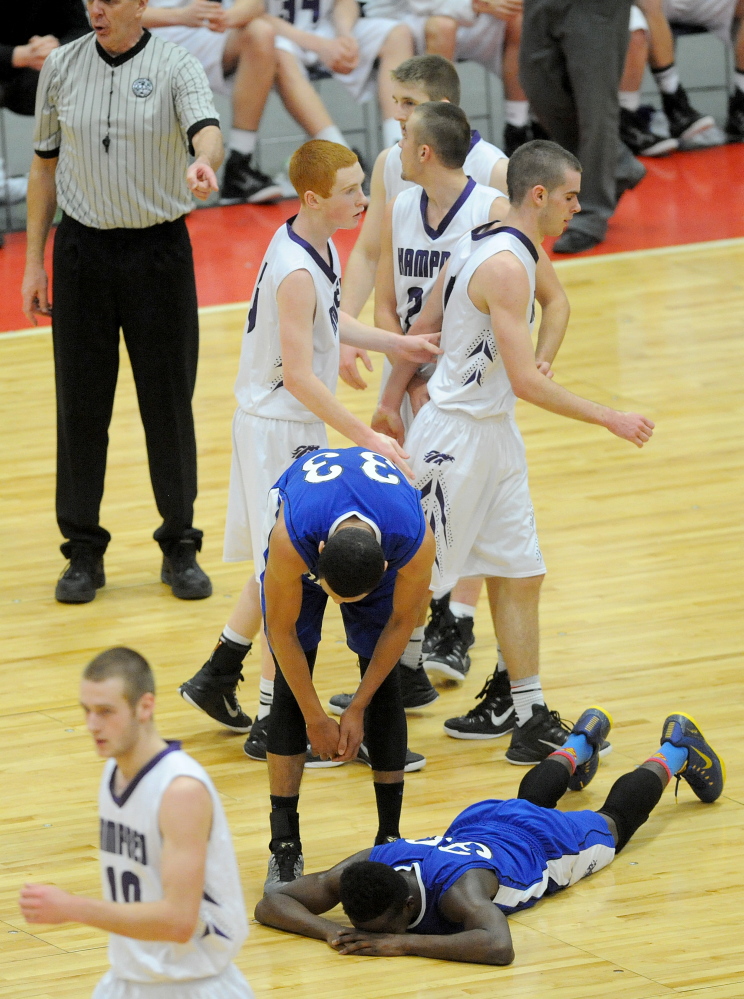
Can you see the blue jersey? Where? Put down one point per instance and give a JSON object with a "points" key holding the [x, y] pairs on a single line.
{"points": [[324, 488], [533, 852]]}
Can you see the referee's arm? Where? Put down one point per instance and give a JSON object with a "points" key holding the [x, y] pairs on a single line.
{"points": [[210, 151], [41, 206]]}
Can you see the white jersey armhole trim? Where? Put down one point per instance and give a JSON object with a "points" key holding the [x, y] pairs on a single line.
{"points": [[355, 513]]}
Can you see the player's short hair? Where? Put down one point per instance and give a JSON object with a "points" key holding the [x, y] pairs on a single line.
{"points": [[126, 664], [538, 162], [351, 562], [433, 74], [368, 889], [445, 128], [313, 167]]}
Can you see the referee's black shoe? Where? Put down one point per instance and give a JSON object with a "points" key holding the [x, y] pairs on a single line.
{"points": [[242, 182], [82, 577], [181, 572]]}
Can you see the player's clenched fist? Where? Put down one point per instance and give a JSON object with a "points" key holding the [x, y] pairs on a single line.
{"points": [[44, 904], [631, 427]]}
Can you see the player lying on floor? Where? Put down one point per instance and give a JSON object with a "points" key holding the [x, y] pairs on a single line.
{"points": [[447, 897]]}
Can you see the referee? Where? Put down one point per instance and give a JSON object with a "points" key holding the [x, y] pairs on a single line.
{"points": [[117, 114]]}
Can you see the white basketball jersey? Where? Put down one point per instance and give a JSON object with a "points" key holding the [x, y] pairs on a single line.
{"points": [[130, 852], [259, 387], [470, 377], [304, 14], [419, 252], [478, 164]]}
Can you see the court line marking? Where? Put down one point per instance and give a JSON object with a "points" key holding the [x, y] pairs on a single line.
{"points": [[658, 251]]}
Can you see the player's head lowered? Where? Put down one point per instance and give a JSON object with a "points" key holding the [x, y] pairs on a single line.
{"points": [[351, 563], [117, 694], [375, 897], [434, 131], [544, 176], [328, 180], [421, 79]]}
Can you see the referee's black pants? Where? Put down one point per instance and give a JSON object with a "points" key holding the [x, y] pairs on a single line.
{"points": [[142, 282]]}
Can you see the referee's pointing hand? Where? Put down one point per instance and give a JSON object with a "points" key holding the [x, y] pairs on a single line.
{"points": [[201, 179]]}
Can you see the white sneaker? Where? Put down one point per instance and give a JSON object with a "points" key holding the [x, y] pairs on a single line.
{"points": [[13, 190]]}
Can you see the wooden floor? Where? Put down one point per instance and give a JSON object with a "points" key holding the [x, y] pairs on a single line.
{"points": [[641, 612]]}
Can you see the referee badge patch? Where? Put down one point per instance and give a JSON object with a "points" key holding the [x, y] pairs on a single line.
{"points": [[142, 87]]}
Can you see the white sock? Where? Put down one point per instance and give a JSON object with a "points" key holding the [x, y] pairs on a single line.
{"points": [[228, 632], [630, 99], [412, 654], [500, 663], [461, 610], [242, 141], [332, 134], [525, 693], [517, 113], [391, 132], [667, 79], [739, 80], [265, 697]]}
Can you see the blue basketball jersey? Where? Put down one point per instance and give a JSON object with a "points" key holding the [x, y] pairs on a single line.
{"points": [[533, 852], [324, 488]]}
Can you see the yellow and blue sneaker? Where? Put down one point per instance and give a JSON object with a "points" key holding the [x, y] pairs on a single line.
{"points": [[704, 770], [594, 724]]}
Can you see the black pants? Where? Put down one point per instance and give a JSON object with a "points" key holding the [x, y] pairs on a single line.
{"points": [[570, 63], [142, 282], [385, 730]]}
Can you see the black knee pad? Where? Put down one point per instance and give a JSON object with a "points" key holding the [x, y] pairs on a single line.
{"points": [[286, 734], [631, 799], [545, 784], [385, 729]]}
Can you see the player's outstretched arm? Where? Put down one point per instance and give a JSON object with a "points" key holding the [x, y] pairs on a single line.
{"points": [[500, 287], [484, 939], [556, 311], [297, 907], [185, 821]]}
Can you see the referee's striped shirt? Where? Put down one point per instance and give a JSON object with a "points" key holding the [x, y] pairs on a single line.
{"points": [[122, 129]]}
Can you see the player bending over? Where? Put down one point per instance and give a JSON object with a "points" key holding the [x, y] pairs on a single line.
{"points": [[448, 896]]}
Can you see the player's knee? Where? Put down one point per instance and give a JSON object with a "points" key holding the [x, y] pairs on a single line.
{"points": [[440, 34], [258, 34], [399, 42]]}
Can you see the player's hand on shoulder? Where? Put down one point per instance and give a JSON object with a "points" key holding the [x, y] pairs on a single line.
{"points": [[347, 367], [324, 736], [365, 944], [389, 423], [389, 448], [631, 427], [419, 349], [44, 904]]}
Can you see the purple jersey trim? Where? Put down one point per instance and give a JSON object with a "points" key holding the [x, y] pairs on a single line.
{"points": [[120, 802]]}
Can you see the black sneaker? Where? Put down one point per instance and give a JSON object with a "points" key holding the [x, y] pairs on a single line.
{"points": [[181, 572], [449, 660], [684, 120], [439, 616], [516, 136], [286, 864], [735, 120], [537, 738], [255, 744], [416, 691], [414, 761], [640, 140], [82, 577], [493, 717], [215, 696], [242, 182]]}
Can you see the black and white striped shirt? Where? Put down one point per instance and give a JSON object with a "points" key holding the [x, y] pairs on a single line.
{"points": [[122, 128]]}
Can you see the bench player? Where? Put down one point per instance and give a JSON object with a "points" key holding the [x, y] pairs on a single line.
{"points": [[466, 448], [285, 385], [447, 897], [173, 904], [350, 520]]}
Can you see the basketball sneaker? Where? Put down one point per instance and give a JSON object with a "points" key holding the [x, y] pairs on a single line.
{"points": [[415, 688], [684, 121], [704, 770], [735, 119], [242, 182], [216, 696], [594, 724], [414, 761], [640, 140], [537, 738], [449, 659], [286, 864], [255, 745], [439, 616], [493, 717]]}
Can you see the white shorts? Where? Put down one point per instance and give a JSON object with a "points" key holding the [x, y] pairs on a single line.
{"points": [[229, 984], [481, 42], [262, 450], [207, 46], [370, 33], [473, 479], [716, 16]]}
